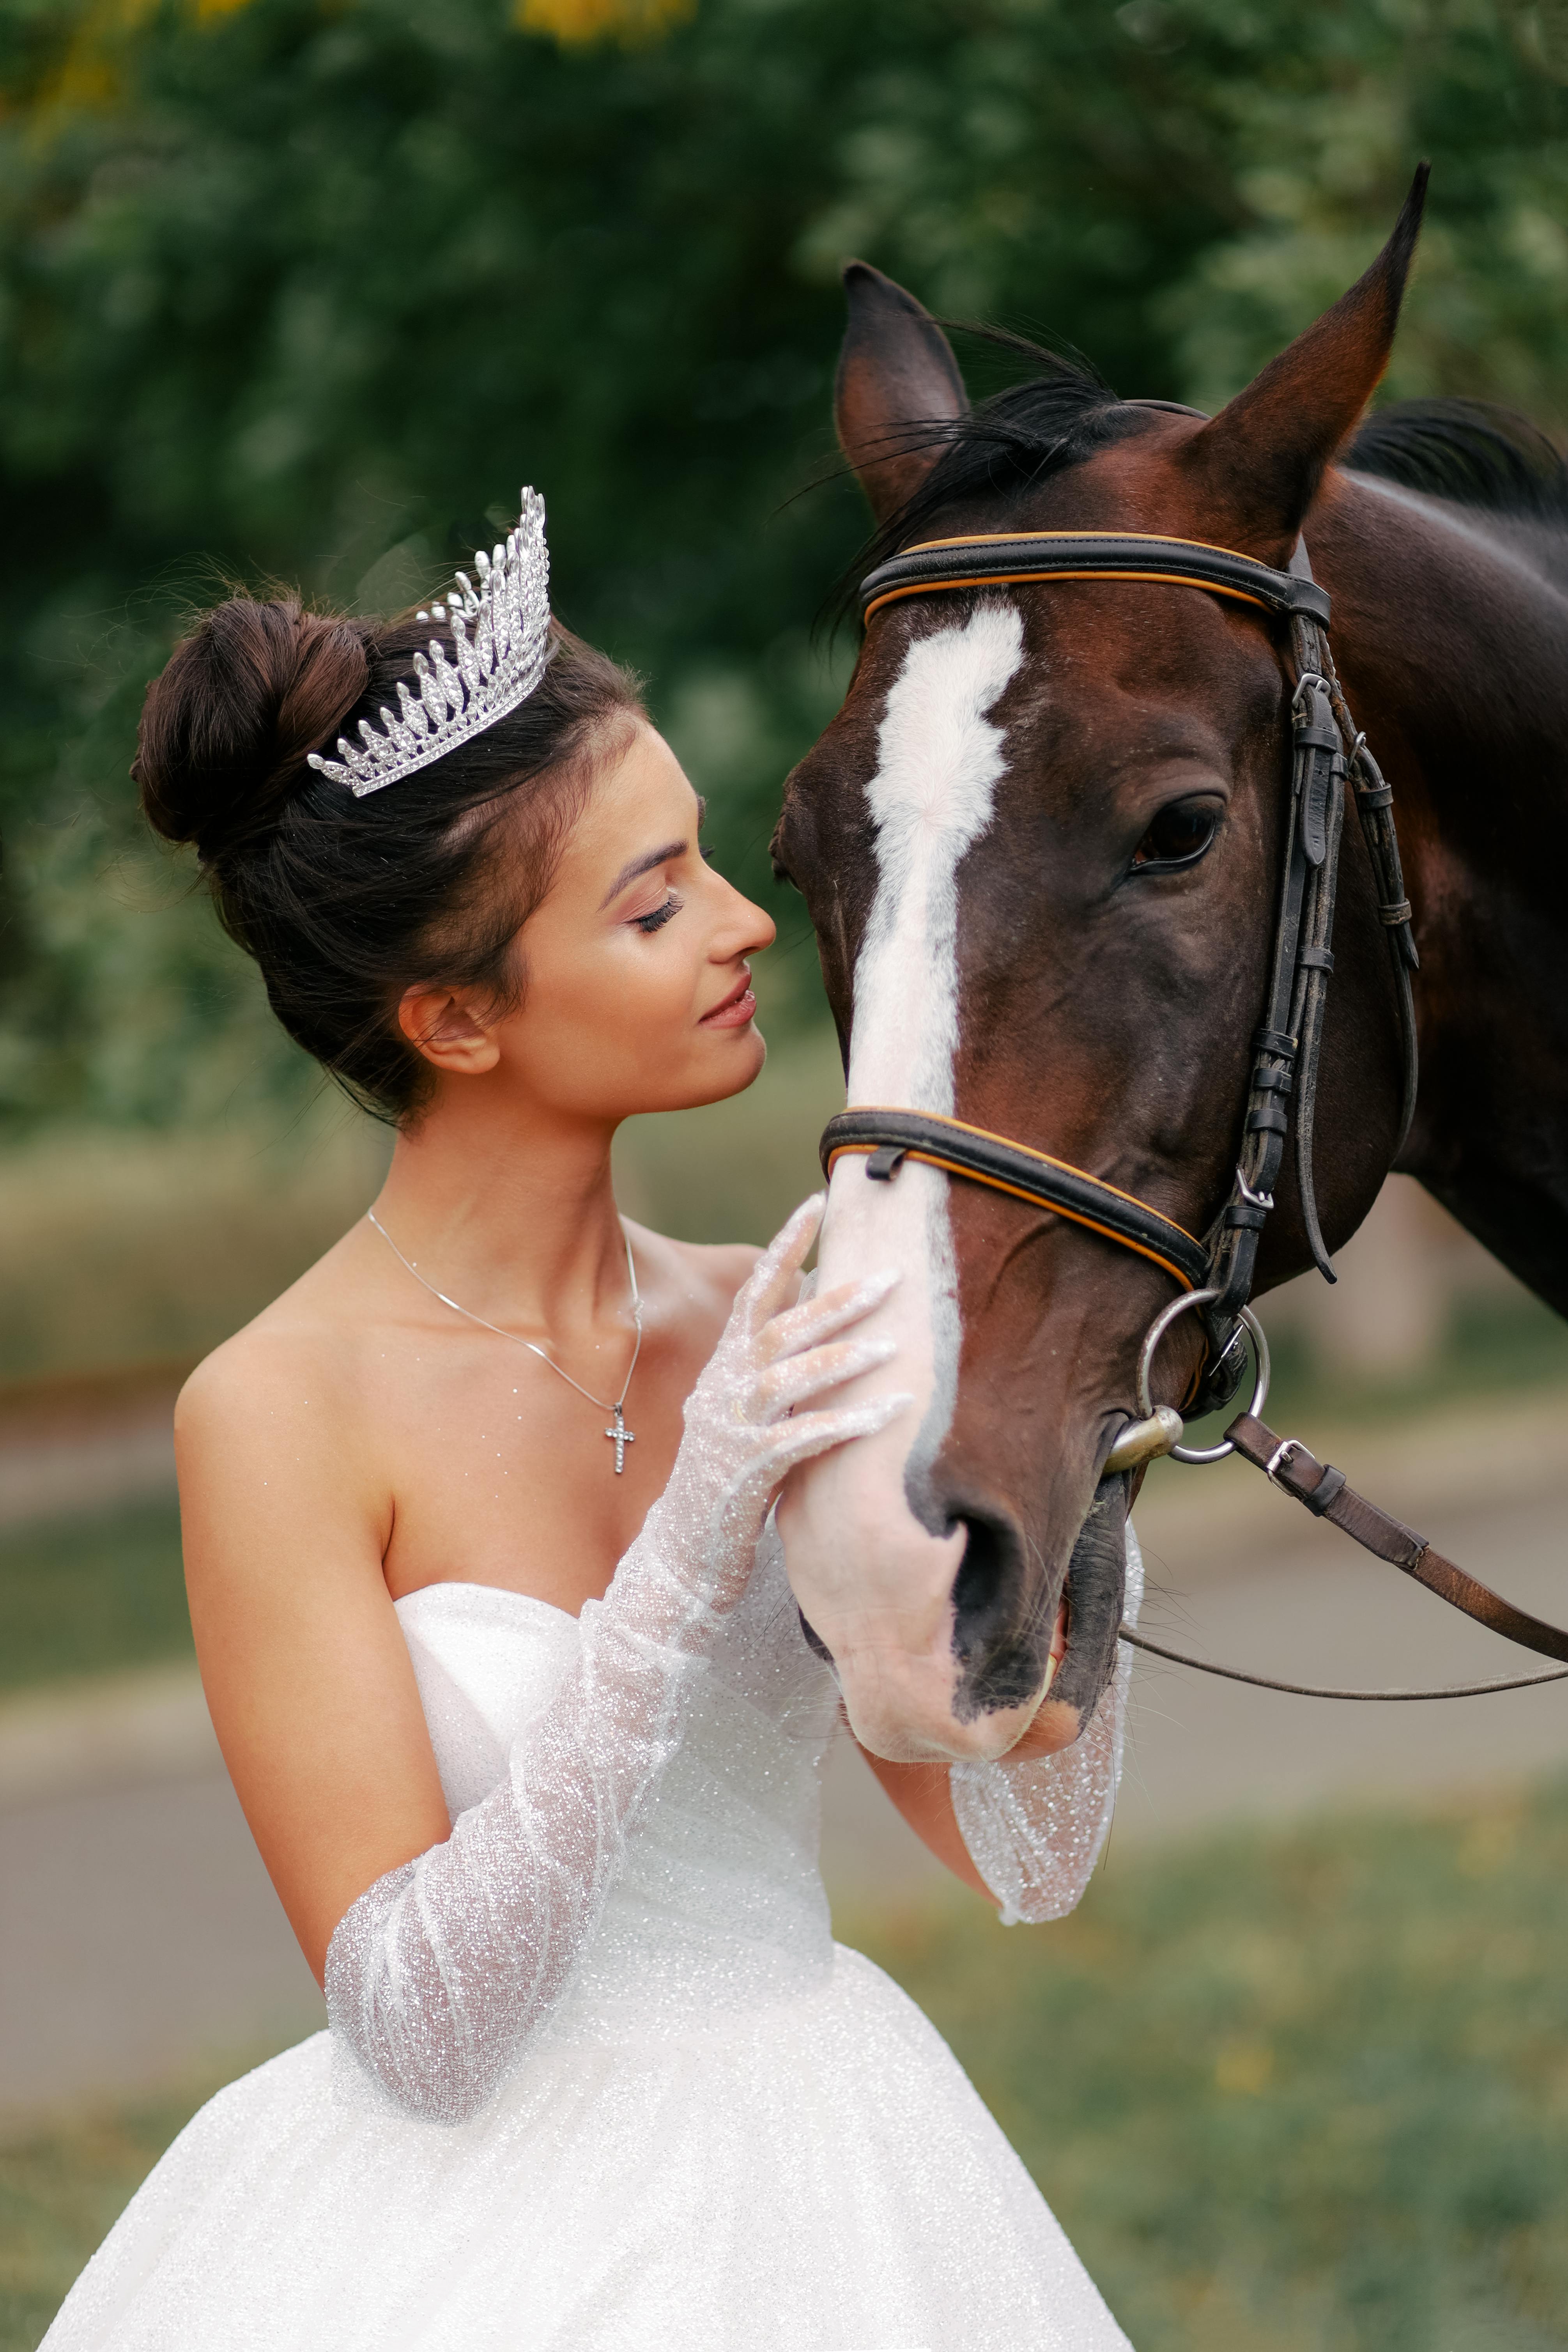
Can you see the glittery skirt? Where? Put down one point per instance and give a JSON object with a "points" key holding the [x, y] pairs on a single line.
{"points": [[809, 2173]]}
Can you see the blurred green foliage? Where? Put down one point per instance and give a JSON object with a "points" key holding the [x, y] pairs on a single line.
{"points": [[304, 288], [1288, 2090], [92, 1595]]}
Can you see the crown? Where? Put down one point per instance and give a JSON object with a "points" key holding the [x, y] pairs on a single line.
{"points": [[490, 674]]}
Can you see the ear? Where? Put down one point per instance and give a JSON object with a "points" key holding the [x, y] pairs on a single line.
{"points": [[897, 379], [443, 1026], [1265, 454]]}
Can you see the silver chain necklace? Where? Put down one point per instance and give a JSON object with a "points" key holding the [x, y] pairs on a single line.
{"points": [[619, 1435]]}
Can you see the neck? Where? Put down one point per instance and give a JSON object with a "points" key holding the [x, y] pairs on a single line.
{"points": [[1455, 659], [510, 1209]]}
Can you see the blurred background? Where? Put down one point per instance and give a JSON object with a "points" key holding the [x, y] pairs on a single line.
{"points": [[301, 290]]}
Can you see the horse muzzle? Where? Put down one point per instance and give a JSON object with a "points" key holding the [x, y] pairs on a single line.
{"points": [[913, 1622]]}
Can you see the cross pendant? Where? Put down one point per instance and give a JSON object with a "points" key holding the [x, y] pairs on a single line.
{"points": [[620, 1437]]}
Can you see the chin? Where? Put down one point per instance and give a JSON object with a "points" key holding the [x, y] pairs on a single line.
{"points": [[728, 1066], [735, 1065]]}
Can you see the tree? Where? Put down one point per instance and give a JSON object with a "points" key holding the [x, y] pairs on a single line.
{"points": [[302, 288]]}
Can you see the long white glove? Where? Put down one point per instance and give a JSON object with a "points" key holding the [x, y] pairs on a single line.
{"points": [[1035, 1829], [438, 1973]]}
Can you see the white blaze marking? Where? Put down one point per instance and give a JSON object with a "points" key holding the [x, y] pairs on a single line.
{"points": [[932, 797]]}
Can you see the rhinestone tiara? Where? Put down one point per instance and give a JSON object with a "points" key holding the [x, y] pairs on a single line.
{"points": [[454, 700]]}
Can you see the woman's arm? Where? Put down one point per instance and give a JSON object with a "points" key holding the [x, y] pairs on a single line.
{"points": [[923, 1796], [307, 1677]]}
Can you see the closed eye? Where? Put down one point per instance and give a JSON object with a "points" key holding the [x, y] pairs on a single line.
{"points": [[660, 915], [1178, 837]]}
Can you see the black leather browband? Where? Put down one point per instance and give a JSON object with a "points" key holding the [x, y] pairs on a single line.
{"points": [[1006, 559]]}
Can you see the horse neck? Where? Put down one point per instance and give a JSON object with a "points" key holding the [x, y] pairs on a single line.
{"points": [[1451, 636]]}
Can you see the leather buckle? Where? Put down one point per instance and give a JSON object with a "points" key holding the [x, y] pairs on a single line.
{"points": [[1254, 1200], [1283, 1452]]}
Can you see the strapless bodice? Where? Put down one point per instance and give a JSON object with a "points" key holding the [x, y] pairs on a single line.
{"points": [[719, 1900]]}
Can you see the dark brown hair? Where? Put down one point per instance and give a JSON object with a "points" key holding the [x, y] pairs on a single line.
{"points": [[346, 903]]}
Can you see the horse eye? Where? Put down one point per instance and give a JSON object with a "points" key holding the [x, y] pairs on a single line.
{"points": [[1178, 834]]}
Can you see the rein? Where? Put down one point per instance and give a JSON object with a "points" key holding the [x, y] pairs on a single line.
{"points": [[1213, 1275]]}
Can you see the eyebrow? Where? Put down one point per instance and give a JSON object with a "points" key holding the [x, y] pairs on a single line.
{"points": [[645, 865]]}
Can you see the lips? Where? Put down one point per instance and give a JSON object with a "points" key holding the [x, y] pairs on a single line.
{"points": [[735, 1010], [1057, 1645]]}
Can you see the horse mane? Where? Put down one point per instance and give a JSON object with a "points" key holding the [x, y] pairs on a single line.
{"points": [[1470, 451], [1056, 417]]}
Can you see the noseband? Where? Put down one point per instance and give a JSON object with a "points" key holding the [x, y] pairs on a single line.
{"points": [[1215, 1274]]}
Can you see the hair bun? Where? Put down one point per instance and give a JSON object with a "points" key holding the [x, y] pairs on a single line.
{"points": [[226, 726]]}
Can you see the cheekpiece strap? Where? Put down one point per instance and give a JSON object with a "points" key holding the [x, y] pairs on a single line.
{"points": [[1005, 560]]}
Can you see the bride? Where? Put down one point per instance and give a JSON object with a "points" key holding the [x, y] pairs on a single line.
{"points": [[493, 1626]]}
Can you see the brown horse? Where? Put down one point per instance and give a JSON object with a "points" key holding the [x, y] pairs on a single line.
{"points": [[1040, 846]]}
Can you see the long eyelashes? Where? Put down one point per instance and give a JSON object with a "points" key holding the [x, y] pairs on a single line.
{"points": [[660, 915]]}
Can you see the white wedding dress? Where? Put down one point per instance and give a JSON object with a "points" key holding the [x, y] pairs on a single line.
{"points": [[724, 2134]]}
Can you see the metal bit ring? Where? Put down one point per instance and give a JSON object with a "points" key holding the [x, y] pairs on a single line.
{"points": [[1156, 1332]]}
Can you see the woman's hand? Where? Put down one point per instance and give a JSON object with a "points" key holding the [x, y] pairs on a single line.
{"points": [[745, 1428]]}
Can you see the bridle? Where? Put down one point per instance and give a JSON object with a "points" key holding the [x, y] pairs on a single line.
{"points": [[1214, 1273]]}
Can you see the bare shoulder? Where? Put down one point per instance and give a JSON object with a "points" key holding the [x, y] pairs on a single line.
{"points": [[292, 1357], [724, 1265], [705, 1275], [279, 1410], [262, 1372]]}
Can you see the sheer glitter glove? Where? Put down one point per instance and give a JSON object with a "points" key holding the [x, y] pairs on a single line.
{"points": [[1035, 1829], [438, 1974]]}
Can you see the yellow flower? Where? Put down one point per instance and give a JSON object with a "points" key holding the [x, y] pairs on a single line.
{"points": [[576, 22]]}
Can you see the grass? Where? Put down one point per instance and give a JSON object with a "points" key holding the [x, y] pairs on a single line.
{"points": [[61, 2190], [92, 1595], [1295, 2091], [1291, 2091]]}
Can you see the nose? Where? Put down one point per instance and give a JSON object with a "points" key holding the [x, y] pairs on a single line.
{"points": [[743, 928], [913, 1574], [1002, 1648], [921, 1626]]}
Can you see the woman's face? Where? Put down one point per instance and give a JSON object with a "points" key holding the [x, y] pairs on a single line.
{"points": [[638, 993]]}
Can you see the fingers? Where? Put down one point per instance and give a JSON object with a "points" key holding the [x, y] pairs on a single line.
{"points": [[815, 1319], [784, 1386], [812, 1434], [767, 1285]]}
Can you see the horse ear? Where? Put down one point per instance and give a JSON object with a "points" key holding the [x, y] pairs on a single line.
{"points": [[1265, 451], [898, 383]]}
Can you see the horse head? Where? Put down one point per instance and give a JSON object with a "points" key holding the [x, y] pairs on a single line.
{"points": [[1040, 848]]}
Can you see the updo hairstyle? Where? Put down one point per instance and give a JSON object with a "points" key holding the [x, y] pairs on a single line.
{"points": [[347, 903]]}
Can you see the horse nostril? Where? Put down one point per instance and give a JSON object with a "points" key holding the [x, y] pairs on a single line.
{"points": [[813, 1640], [1002, 1658], [982, 1586]]}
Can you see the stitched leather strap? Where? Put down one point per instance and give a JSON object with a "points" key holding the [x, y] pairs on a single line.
{"points": [[1000, 560], [890, 1136], [1327, 1495]]}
